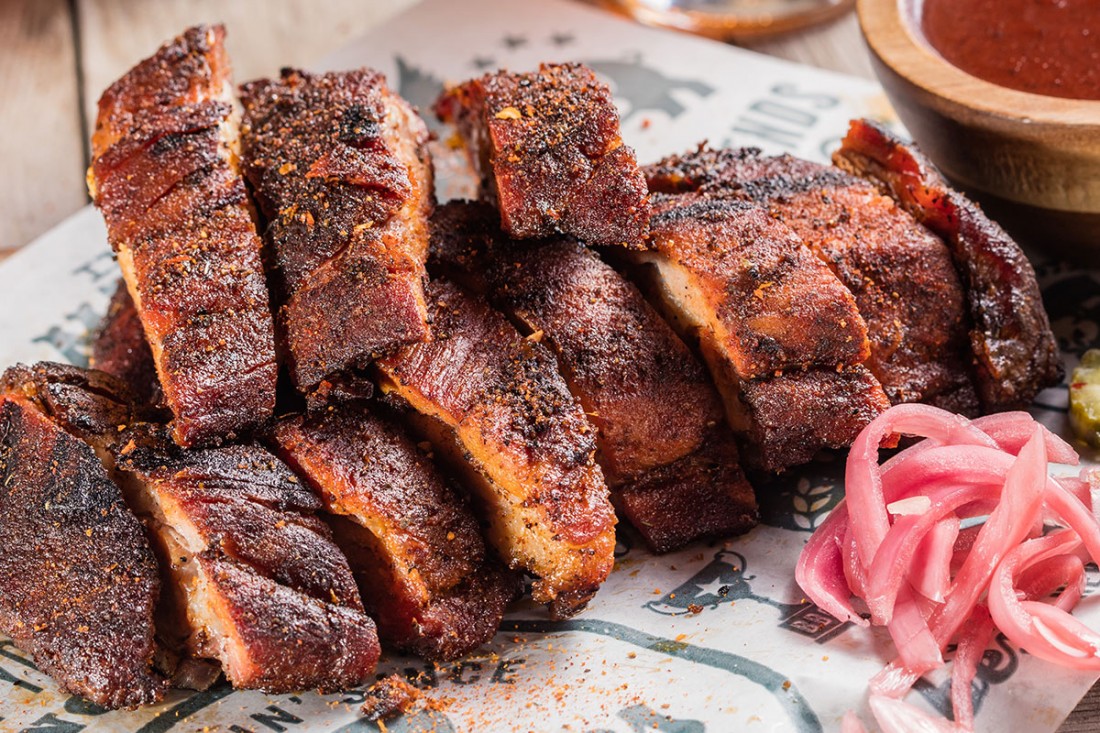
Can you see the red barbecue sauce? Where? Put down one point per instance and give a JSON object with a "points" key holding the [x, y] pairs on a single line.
{"points": [[1049, 47]]}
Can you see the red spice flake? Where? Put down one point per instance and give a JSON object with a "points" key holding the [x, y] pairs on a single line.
{"points": [[389, 697]]}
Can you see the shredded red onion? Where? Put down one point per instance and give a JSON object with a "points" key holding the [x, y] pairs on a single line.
{"points": [[951, 540]]}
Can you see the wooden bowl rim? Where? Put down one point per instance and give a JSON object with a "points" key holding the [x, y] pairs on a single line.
{"points": [[891, 36]]}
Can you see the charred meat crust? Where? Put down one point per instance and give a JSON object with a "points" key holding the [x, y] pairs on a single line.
{"points": [[897, 270], [92, 405], [793, 415], [648, 396], [164, 175], [547, 147], [78, 581], [119, 348], [341, 172], [703, 494], [762, 308], [413, 543], [1015, 353], [263, 588], [777, 305], [512, 421]]}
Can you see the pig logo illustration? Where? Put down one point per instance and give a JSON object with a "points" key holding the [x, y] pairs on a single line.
{"points": [[644, 89], [724, 580]]}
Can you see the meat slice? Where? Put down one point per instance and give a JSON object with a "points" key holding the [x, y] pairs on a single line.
{"points": [[648, 396], [119, 348], [251, 577], [255, 579], [413, 543], [78, 580], [495, 403], [898, 271], [772, 322], [1015, 353], [341, 171], [546, 145], [165, 176]]}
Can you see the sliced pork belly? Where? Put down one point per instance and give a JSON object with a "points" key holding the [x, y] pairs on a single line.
{"points": [[78, 580], [255, 581], [119, 348], [252, 579], [649, 397], [413, 543], [702, 494], [546, 145], [772, 322], [341, 172], [165, 176], [1014, 351], [898, 271], [495, 403]]}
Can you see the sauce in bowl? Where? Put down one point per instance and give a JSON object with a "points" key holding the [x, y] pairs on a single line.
{"points": [[1049, 47]]}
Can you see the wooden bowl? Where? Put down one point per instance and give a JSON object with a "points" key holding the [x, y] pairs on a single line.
{"points": [[1032, 161]]}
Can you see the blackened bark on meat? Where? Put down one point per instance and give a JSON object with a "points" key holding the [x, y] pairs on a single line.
{"points": [[644, 391], [495, 404], [165, 176], [341, 171], [119, 348], [78, 581], [898, 271], [1014, 351], [414, 545], [546, 145]]}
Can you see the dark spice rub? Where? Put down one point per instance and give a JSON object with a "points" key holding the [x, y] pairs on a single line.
{"points": [[1014, 352], [119, 348], [648, 396], [164, 175], [546, 145], [78, 580], [899, 273], [494, 402], [342, 175], [413, 543], [251, 579], [763, 308]]}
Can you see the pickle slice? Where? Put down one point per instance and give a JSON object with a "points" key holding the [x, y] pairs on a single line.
{"points": [[1084, 398]]}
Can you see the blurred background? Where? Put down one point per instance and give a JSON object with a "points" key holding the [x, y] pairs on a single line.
{"points": [[57, 56]]}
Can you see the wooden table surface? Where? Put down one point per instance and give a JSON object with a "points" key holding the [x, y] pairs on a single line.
{"points": [[57, 56]]}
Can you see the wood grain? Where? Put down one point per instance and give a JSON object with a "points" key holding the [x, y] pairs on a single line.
{"points": [[262, 36], [837, 46], [42, 179], [1031, 161]]}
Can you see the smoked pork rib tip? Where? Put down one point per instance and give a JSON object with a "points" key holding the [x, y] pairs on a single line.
{"points": [[546, 146], [780, 333], [341, 171], [649, 398], [495, 402], [165, 176], [1014, 351], [251, 577], [78, 580], [256, 580], [902, 276], [119, 348], [423, 570]]}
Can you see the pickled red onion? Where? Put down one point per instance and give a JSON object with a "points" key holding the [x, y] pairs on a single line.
{"points": [[896, 544]]}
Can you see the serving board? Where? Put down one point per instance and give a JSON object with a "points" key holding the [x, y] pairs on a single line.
{"points": [[716, 637]]}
